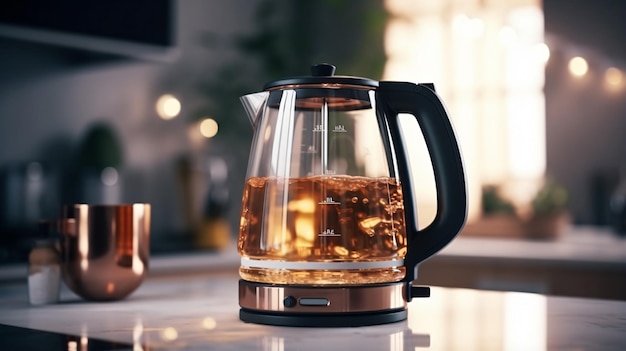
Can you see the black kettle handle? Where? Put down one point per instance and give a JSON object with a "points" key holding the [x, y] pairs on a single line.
{"points": [[422, 102]]}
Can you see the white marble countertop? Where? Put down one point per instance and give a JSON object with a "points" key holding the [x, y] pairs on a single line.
{"points": [[190, 302], [200, 312]]}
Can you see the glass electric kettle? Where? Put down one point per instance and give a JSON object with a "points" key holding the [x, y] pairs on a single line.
{"points": [[328, 232]]}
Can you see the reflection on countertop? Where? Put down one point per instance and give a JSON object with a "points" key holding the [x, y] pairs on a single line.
{"points": [[200, 311]]}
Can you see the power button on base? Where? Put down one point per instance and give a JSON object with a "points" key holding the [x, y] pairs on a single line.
{"points": [[290, 301]]}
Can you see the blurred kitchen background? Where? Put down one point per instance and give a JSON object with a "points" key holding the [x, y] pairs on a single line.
{"points": [[138, 102]]}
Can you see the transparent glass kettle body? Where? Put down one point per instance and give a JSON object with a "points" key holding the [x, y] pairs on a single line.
{"points": [[322, 203]]}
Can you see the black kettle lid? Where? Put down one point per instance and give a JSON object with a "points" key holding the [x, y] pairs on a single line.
{"points": [[322, 73]]}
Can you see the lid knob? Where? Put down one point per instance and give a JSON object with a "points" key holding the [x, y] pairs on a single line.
{"points": [[322, 70]]}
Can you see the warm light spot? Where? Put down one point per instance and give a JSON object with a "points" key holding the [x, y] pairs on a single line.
{"points": [[305, 230], [507, 36], [72, 346], [208, 128], [83, 236], [306, 205], [137, 335], [137, 331], [542, 52], [273, 343], [341, 251], [614, 78], [139, 210], [268, 133], [168, 106], [138, 213], [110, 287], [461, 23], [578, 66], [477, 27], [529, 310], [109, 176], [84, 264], [368, 223], [169, 334], [396, 341], [137, 264], [209, 323], [465, 26]]}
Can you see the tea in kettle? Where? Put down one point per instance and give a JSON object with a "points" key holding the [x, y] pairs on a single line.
{"points": [[328, 233]]}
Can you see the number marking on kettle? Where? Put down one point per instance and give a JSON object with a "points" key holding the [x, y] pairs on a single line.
{"points": [[329, 232], [329, 201], [340, 128]]}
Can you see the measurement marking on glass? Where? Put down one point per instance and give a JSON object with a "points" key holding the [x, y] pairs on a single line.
{"points": [[340, 128], [330, 172], [329, 232], [319, 128], [324, 135], [309, 150], [329, 201]]}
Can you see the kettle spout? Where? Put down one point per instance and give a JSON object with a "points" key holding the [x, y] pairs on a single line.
{"points": [[253, 103]]}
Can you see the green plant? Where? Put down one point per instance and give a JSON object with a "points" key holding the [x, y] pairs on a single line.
{"points": [[493, 202], [100, 148], [550, 199], [288, 37]]}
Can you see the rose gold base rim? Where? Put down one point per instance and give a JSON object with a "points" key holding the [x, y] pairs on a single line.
{"points": [[289, 299]]}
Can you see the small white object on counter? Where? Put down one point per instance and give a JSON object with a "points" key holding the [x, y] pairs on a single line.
{"points": [[43, 286], [44, 273]]}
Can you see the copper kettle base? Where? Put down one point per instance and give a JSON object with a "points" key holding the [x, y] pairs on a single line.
{"points": [[322, 306]]}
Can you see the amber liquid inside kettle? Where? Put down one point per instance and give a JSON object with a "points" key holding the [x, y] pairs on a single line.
{"points": [[323, 219]]}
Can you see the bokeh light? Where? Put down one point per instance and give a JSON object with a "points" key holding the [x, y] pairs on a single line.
{"points": [[208, 128], [578, 66], [168, 106], [169, 334], [109, 176], [614, 78], [209, 323]]}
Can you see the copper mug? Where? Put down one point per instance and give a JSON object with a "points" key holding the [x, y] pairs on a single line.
{"points": [[105, 249]]}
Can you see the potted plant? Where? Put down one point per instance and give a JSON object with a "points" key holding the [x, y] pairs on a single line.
{"points": [[499, 217], [98, 166], [549, 216]]}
